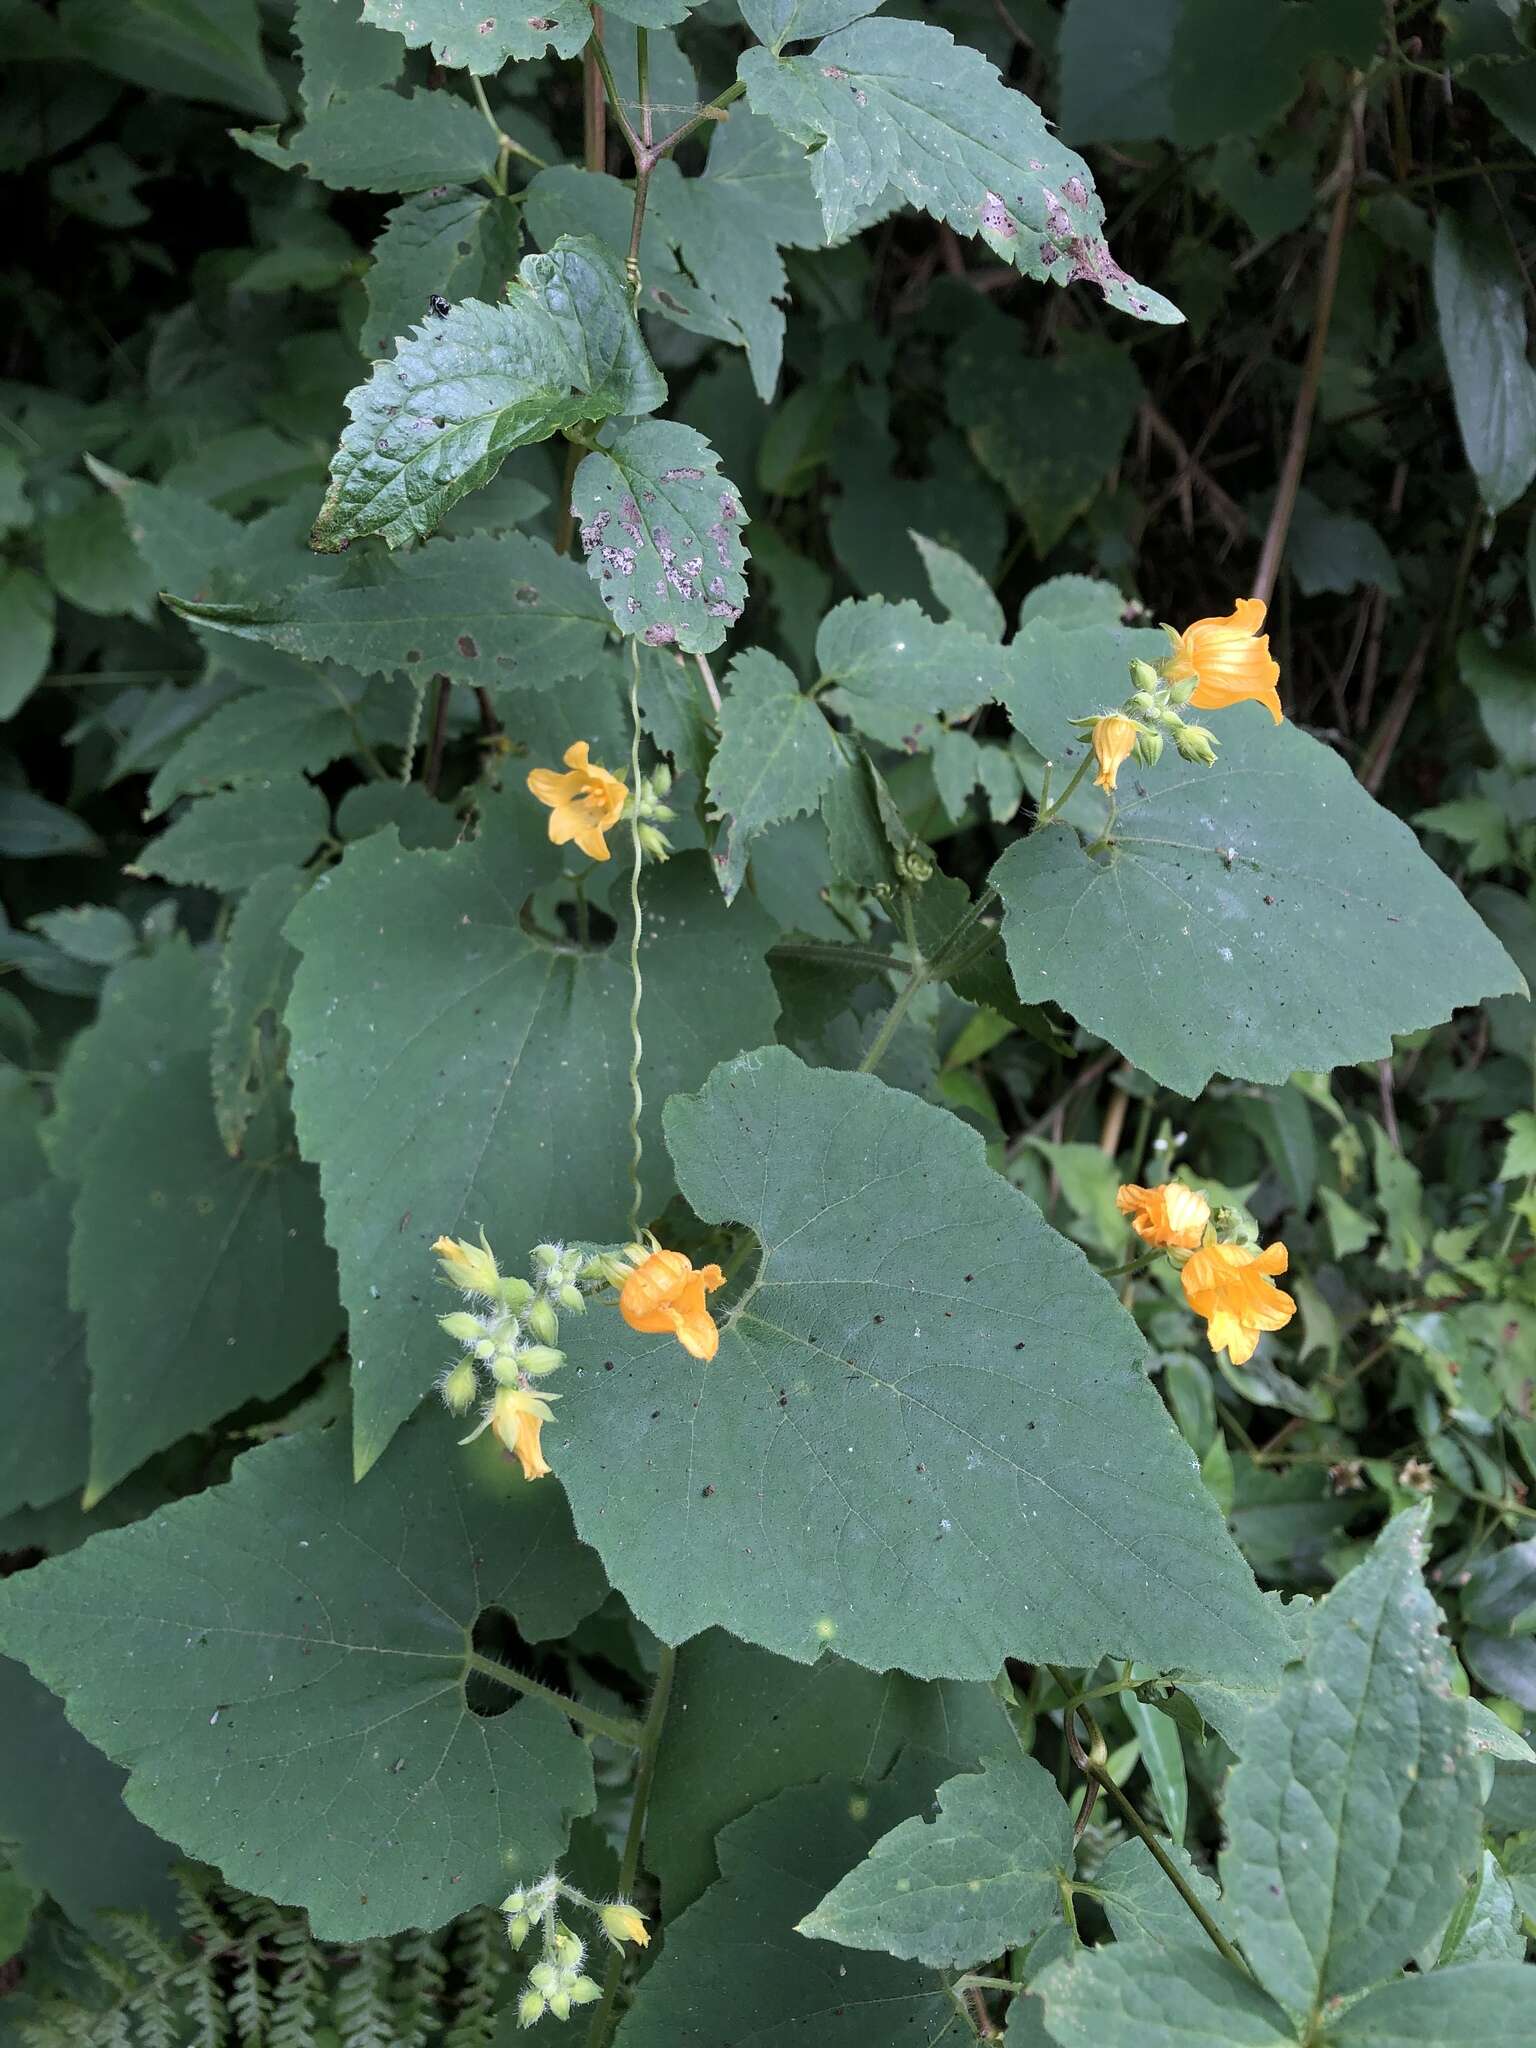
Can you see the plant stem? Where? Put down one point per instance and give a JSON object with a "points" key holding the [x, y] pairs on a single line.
{"points": [[827, 953], [917, 980], [644, 162], [565, 523], [1049, 811], [707, 678], [634, 1839], [630, 1733], [593, 113], [610, 86], [439, 732], [637, 985], [1312, 371], [716, 106], [504, 142]]}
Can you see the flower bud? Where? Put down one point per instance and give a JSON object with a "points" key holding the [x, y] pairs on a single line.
{"points": [[913, 866], [560, 2004], [545, 1977], [661, 778], [530, 2009], [1143, 702], [584, 1991], [517, 1929], [515, 1293], [470, 1267], [462, 1327], [1195, 743], [506, 1366], [571, 1297], [622, 1923], [1149, 748], [1182, 692], [458, 1387], [546, 1255], [1144, 676], [514, 1902], [652, 842], [537, 1359], [543, 1321], [604, 1268], [568, 1949]]}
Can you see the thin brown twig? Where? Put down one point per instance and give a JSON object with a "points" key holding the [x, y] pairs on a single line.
{"points": [[434, 765], [594, 115], [1312, 371]]}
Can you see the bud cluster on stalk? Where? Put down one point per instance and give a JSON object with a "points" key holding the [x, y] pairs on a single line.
{"points": [[558, 1982], [511, 1337], [1154, 707]]}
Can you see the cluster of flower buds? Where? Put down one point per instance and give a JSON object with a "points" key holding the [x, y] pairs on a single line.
{"points": [[1152, 712], [511, 1336], [653, 812], [557, 1982]]}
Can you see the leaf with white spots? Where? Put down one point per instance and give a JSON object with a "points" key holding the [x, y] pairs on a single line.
{"points": [[900, 104], [661, 531]]}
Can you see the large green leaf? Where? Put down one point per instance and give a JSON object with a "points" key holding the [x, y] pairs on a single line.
{"points": [[463, 36], [273, 732], [234, 837], [374, 140], [280, 1663], [1352, 1816], [1254, 918], [195, 49], [488, 609], [983, 1876], [734, 1969], [43, 1444], [341, 53], [900, 103], [26, 635], [897, 672], [745, 1725], [775, 758], [661, 531], [254, 976], [927, 1440], [1475, 2005], [1480, 300], [450, 1065], [205, 1280], [463, 391], [1135, 1995]]}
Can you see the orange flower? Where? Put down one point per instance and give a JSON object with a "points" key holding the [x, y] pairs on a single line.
{"points": [[583, 804], [665, 1293], [517, 1418], [1229, 660], [1228, 1284], [1114, 742], [1168, 1215]]}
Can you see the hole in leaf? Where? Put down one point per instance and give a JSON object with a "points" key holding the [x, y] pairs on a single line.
{"points": [[497, 1636]]}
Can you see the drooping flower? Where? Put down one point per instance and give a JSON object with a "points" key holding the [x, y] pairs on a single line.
{"points": [[1114, 741], [517, 1417], [664, 1293], [1171, 1214], [1229, 660], [1229, 1285], [622, 1923], [583, 804]]}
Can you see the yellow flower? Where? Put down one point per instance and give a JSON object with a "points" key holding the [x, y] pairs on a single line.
{"points": [[1229, 660], [1114, 741], [583, 804], [1168, 1215], [665, 1293], [622, 1923], [469, 1266], [1228, 1284], [517, 1418]]}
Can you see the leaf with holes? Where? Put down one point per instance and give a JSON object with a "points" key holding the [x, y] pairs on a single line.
{"points": [[488, 609], [927, 1440], [984, 1876], [898, 674], [463, 391], [1308, 922], [279, 1664], [465, 34], [900, 103], [451, 1059], [458, 244], [661, 531], [775, 758]]}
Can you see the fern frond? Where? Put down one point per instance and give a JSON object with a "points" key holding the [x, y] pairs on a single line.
{"points": [[480, 1961], [423, 1972], [363, 2009], [300, 1985]]}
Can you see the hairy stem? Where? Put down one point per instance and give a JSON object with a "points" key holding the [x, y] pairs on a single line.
{"points": [[634, 1839], [630, 1733]]}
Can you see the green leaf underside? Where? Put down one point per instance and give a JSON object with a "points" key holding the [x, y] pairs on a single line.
{"points": [[487, 609], [449, 1066], [374, 140], [279, 1665], [899, 103], [661, 531], [462, 35], [1480, 300], [43, 1448], [1134, 1995], [272, 732], [1473, 2005], [734, 1969], [898, 673], [206, 1281], [1253, 919], [232, 838], [1364, 1739], [746, 1724], [1142, 1906], [921, 1459], [463, 391], [981, 1878], [775, 758], [254, 975]]}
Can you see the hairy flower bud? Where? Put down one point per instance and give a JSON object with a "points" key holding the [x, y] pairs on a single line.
{"points": [[462, 1327], [1144, 676], [543, 1321], [458, 1387], [530, 2009], [537, 1359], [1195, 743], [571, 1297]]}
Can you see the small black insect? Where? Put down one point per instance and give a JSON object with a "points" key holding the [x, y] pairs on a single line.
{"points": [[439, 305]]}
